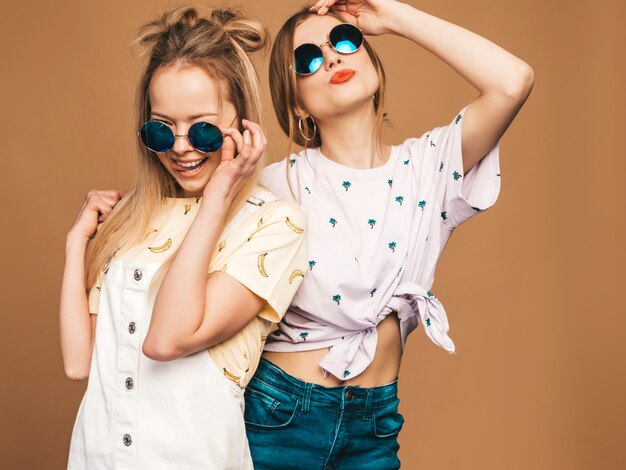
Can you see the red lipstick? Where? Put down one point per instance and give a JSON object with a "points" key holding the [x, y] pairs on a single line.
{"points": [[342, 76]]}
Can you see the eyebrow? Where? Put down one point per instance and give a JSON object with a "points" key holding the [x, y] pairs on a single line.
{"points": [[190, 118]]}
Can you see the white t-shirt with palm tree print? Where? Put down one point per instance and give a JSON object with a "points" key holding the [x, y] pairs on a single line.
{"points": [[374, 238]]}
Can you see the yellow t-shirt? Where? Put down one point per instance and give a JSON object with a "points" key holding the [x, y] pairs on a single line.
{"points": [[263, 247]]}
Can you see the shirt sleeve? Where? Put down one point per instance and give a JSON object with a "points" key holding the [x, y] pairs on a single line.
{"points": [[272, 262], [278, 177], [464, 195]]}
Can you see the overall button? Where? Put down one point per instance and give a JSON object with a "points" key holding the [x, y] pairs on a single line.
{"points": [[129, 383], [137, 275], [349, 395], [127, 440], [131, 327]]}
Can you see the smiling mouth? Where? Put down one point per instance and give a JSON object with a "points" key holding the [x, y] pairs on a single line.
{"points": [[342, 76], [188, 168]]}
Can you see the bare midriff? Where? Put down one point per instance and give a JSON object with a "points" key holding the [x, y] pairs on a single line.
{"points": [[383, 370]]}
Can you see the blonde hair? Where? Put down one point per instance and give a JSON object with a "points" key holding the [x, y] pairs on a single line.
{"points": [[283, 82], [220, 44]]}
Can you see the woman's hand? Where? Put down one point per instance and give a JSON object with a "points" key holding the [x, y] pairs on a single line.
{"points": [[235, 169], [369, 15], [96, 208]]}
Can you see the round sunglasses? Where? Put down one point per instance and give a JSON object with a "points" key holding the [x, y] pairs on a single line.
{"points": [[203, 136], [344, 38]]}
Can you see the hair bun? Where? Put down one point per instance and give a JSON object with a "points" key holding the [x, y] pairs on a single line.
{"points": [[249, 33], [161, 28]]}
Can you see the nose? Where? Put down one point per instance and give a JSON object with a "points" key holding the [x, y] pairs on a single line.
{"points": [[181, 144], [331, 57]]}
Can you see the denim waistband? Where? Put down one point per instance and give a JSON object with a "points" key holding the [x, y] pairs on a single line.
{"points": [[368, 397]]}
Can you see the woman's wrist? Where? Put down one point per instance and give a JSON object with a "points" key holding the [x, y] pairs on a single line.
{"points": [[393, 18], [216, 205], [75, 241], [219, 195]]}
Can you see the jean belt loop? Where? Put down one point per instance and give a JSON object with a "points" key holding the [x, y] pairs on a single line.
{"points": [[367, 414], [306, 399]]}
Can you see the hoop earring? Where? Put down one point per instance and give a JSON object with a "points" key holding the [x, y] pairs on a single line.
{"points": [[302, 132]]}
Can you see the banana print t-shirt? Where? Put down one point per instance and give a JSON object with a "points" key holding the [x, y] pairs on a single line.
{"points": [[374, 239], [263, 247]]}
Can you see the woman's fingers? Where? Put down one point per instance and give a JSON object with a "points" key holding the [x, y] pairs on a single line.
{"points": [[250, 145], [233, 141], [259, 141], [111, 198], [103, 202], [96, 208], [103, 211], [322, 6], [317, 5], [101, 206], [227, 151], [243, 146]]}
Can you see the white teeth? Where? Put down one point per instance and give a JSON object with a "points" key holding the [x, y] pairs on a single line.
{"points": [[191, 167], [189, 164]]}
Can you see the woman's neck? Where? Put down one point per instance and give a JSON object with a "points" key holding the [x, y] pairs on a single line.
{"points": [[352, 139]]}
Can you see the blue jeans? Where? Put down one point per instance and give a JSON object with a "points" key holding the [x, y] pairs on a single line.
{"points": [[293, 424]]}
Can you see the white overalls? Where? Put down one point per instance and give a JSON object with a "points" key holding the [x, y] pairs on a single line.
{"points": [[183, 404], [138, 413]]}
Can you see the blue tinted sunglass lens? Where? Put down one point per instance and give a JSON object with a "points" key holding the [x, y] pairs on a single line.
{"points": [[346, 38], [205, 137], [157, 136], [308, 59]]}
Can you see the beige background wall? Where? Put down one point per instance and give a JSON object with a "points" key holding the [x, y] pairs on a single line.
{"points": [[534, 287]]}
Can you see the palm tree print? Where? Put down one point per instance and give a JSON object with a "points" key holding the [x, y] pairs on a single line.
{"points": [[430, 294], [312, 263], [371, 222], [406, 162], [477, 209], [337, 298], [332, 221], [428, 322], [372, 292], [443, 215], [432, 144], [303, 335], [346, 184], [390, 182], [440, 166], [292, 162], [307, 189], [458, 118], [392, 246], [399, 199], [346, 373], [456, 175], [422, 204]]}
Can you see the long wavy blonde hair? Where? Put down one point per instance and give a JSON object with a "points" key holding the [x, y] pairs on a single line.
{"points": [[220, 43]]}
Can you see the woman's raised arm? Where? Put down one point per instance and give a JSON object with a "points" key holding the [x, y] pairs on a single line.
{"points": [[77, 327], [503, 80]]}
